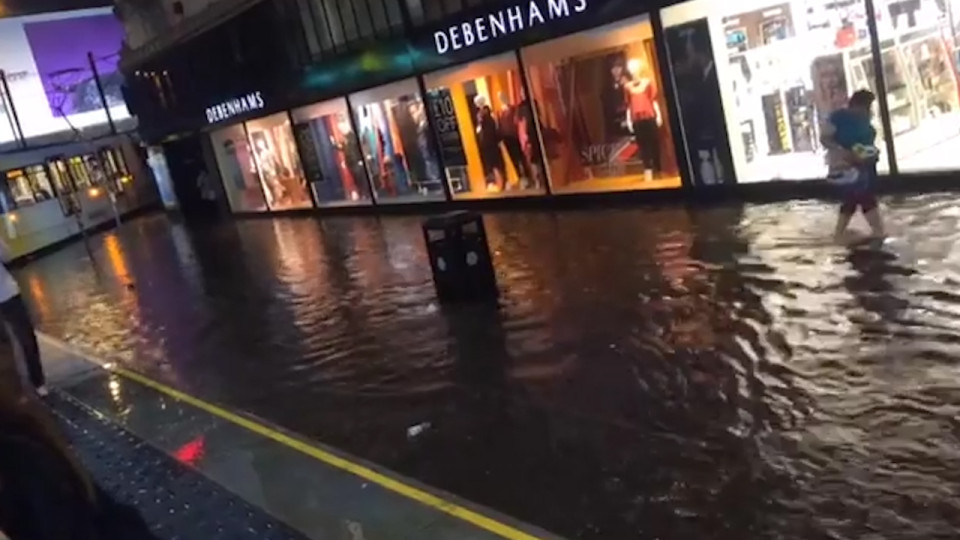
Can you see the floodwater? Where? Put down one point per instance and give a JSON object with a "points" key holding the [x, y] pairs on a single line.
{"points": [[661, 373]]}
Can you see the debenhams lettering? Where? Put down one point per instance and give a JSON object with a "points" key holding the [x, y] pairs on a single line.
{"points": [[504, 22], [228, 109]]}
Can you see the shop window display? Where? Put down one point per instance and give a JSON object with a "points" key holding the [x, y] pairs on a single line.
{"points": [[919, 54], [241, 180], [332, 159], [275, 154], [485, 129], [397, 143], [773, 109], [598, 96]]}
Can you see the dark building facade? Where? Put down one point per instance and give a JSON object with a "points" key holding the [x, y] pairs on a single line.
{"points": [[299, 104]]}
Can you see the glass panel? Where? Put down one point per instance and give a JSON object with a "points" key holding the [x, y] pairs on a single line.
{"points": [[485, 128], [773, 109], [112, 174], [275, 154], [241, 180], [919, 62], [603, 119], [97, 175], [121, 160], [332, 159], [19, 187], [397, 143], [78, 170], [61, 177], [39, 182]]}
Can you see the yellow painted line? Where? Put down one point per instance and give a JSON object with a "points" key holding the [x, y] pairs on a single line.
{"points": [[434, 501]]}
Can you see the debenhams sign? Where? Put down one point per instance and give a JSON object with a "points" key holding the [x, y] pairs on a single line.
{"points": [[505, 22], [236, 106]]}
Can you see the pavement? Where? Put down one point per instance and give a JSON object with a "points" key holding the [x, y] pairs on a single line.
{"points": [[198, 470]]}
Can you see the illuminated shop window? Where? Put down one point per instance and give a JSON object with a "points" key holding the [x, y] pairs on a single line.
{"points": [[241, 180], [275, 154], [729, 60], [397, 143], [600, 102], [486, 129], [919, 55], [332, 158]]}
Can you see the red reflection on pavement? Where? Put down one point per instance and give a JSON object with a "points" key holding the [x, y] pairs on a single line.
{"points": [[192, 452]]}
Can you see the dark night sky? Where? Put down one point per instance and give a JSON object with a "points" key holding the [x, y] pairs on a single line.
{"points": [[15, 8]]}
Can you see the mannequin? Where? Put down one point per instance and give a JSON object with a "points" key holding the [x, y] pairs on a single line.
{"points": [[528, 138], [509, 119], [349, 156], [644, 115], [424, 144], [488, 141], [270, 168]]}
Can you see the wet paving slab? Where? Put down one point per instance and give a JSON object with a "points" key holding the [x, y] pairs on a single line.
{"points": [[667, 372], [304, 493], [175, 501]]}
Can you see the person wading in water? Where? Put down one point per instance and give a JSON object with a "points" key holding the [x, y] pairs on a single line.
{"points": [[852, 158]]}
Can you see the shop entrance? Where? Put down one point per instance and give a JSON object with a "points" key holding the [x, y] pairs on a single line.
{"points": [[195, 185]]}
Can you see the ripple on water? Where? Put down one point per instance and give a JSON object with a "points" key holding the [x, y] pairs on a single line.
{"points": [[652, 373]]}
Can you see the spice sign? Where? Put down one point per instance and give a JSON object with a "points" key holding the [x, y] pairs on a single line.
{"points": [[504, 22], [236, 106]]}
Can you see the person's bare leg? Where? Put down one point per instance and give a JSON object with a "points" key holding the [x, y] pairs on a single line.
{"points": [[875, 220], [843, 221]]}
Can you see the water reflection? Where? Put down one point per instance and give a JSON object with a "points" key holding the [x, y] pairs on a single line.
{"points": [[651, 373]]}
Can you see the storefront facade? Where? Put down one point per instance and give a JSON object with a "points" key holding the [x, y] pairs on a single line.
{"points": [[554, 98]]}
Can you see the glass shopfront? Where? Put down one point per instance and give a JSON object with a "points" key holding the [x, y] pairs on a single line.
{"points": [[238, 169], [589, 112], [486, 129], [332, 160], [772, 108], [275, 154], [398, 147], [918, 50], [599, 99]]}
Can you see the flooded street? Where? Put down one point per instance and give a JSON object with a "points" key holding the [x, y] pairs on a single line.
{"points": [[655, 373]]}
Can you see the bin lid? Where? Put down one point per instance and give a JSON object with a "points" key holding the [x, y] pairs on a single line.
{"points": [[456, 217]]}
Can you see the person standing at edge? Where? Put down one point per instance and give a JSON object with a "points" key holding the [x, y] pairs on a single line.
{"points": [[14, 313], [852, 157]]}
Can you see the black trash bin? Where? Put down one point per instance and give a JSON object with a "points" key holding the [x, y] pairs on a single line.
{"points": [[460, 257]]}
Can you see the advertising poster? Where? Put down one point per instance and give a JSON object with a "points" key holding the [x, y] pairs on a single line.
{"points": [[447, 128], [63, 66], [830, 89], [701, 106], [51, 84]]}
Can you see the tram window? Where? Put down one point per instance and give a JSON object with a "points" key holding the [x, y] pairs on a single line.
{"points": [[78, 169], [98, 176], [19, 187], [61, 177], [121, 161], [39, 182]]}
